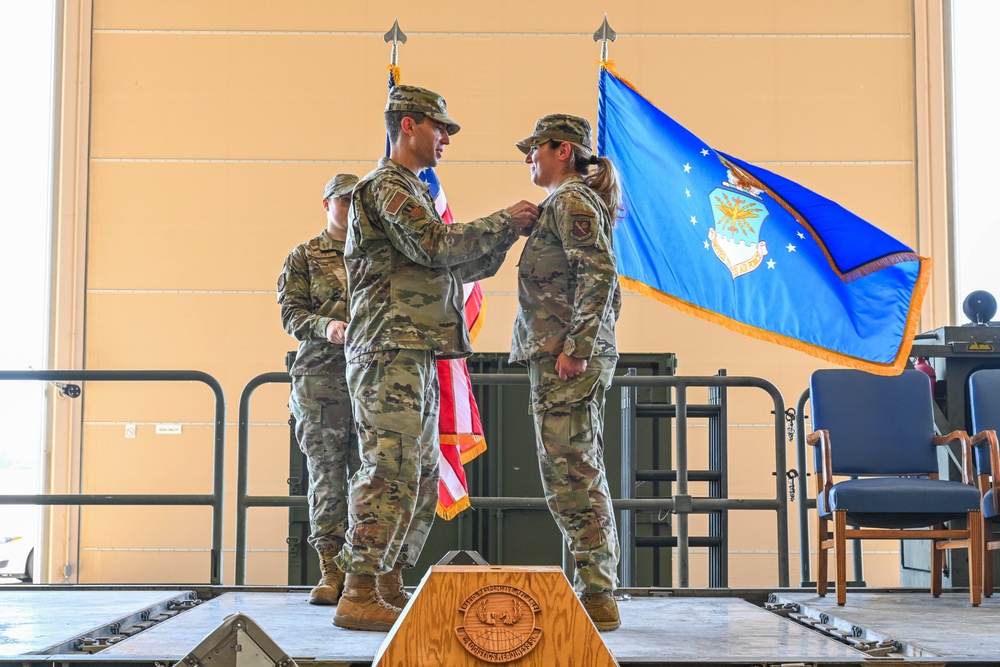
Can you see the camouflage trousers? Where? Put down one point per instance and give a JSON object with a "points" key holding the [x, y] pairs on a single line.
{"points": [[395, 491], [569, 432], [324, 429]]}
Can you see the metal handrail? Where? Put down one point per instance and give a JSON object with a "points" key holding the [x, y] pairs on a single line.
{"points": [[215, 499], [803, 491], [243, 499], [681, 503]]}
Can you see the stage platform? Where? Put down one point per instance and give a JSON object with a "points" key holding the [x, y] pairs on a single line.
{"points": [[159, 626]]}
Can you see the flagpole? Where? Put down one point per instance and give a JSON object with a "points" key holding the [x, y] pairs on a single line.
{"points": [[603, 35], [397, 37], [606, 34]]}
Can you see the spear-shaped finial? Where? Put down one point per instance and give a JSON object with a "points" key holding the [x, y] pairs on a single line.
{"points": [[603, 35], [397, 37]]}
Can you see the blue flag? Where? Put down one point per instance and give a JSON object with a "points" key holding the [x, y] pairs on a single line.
{"points": [[755, 252]]}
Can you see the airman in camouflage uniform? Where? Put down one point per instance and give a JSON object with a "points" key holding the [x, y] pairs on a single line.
{"points": [[312, 291], [406, 270], [568, 302]]}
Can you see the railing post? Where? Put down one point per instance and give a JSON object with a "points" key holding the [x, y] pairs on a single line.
{"points": [[803, 488], [243, 468], [780, 491], [627, 526], [718, 458]]}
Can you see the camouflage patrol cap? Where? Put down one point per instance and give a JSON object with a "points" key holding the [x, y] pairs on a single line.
{"points": [[340, 184], [427, 102], [559, 127]]}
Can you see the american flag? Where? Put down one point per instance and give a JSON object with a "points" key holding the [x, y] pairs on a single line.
{"points": [[461, 431]]}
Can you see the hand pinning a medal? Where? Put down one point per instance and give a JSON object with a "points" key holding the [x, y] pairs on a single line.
{"points": [[525, 214]]}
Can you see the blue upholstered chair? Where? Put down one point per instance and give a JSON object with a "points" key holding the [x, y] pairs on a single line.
{"points": [[878, 433], [984, 401]]}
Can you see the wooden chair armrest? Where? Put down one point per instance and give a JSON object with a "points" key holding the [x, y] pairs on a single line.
{"points": [[948, 437], [989, 439], [824, 476], [967, 474], [983, 438]]}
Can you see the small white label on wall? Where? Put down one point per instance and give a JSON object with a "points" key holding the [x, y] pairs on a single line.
{"points": [[168, 429], [130, 431]]}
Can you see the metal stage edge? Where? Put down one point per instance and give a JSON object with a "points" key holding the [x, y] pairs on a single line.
{"points": [[160, 625]]}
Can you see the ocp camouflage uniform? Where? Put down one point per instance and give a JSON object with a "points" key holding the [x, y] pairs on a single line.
{"points": [[312, 291], [568, 301], [406, 270]]}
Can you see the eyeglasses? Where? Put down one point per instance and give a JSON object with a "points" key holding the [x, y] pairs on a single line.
{"points": [[344, 199]]}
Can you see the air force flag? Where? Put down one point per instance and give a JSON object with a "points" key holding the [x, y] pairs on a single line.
{"points": [[743, 247]]}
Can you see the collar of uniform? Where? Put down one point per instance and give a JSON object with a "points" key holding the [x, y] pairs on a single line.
{"points": [[326, 243], [572, 180], [405, 172]]}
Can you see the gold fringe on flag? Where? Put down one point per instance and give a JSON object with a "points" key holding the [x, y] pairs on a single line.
{"points": [[477, 326], [459, 506], [895, 368], [395, 73]]}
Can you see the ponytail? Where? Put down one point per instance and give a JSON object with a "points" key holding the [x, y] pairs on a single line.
{"points": [[604, 181]]}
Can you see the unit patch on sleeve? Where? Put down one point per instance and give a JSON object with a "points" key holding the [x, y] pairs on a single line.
{"points": [[583, 228]]}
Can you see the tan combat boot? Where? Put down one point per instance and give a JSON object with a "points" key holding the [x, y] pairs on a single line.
{"points": [[602, 609], [331, 583], [390, 587], [361, 608]]}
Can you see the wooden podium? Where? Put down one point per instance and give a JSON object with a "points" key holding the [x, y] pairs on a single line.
{"points": [[467, 615]]}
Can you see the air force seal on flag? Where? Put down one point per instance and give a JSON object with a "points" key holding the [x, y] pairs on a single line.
{"points": [[739, 215]]}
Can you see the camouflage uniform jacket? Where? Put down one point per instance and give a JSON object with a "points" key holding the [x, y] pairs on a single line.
{"points": [[406, 268], [312, 290], [568, 293]]}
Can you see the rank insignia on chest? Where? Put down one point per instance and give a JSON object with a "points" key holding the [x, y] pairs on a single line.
{"points": [[415, 213]]}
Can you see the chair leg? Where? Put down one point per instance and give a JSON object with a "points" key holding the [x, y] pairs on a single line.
{"points": [[987, 560], [987, 570], [975, 524], [822, 557], [937, 567], [840, 554], [987, 573]]}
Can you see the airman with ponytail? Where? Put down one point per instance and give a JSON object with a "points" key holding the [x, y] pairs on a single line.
{"points": [[568, 302]]}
